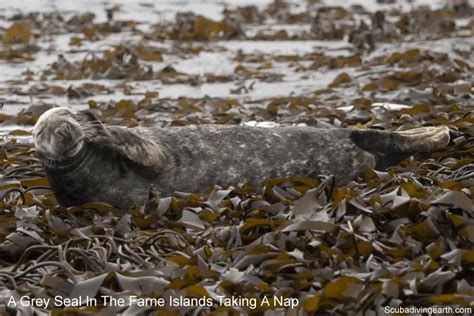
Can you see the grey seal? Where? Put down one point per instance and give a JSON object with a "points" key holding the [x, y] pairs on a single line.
{"points": [[88, 161]]}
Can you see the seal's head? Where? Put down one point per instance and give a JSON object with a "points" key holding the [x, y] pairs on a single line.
{"points": [[58, 135]]}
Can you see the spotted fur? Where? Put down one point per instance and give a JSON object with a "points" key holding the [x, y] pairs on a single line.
{"points": [[118, 165]]}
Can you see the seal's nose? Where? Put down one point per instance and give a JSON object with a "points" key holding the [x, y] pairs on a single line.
{"points": [[61, 131]]}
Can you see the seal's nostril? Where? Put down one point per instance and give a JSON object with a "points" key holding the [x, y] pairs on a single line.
{"points": [[62, 131]]}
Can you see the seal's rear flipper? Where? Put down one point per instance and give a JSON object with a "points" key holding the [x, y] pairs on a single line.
{"points": [[393, 147], [417, 140]]}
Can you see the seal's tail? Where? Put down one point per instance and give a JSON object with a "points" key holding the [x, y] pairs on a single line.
{"points": [[417, 140]]}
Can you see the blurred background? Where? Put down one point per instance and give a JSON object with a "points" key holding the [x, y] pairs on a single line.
{"points": [[180, 62]]}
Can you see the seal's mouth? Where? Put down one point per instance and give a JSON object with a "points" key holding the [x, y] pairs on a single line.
{"points": [[70, 150]]}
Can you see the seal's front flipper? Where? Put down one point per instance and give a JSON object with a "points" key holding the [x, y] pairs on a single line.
{"points": [[122, 140], [417, 140]]}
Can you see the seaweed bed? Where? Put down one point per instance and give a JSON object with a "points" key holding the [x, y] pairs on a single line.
{"points": [[400, 237]]}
